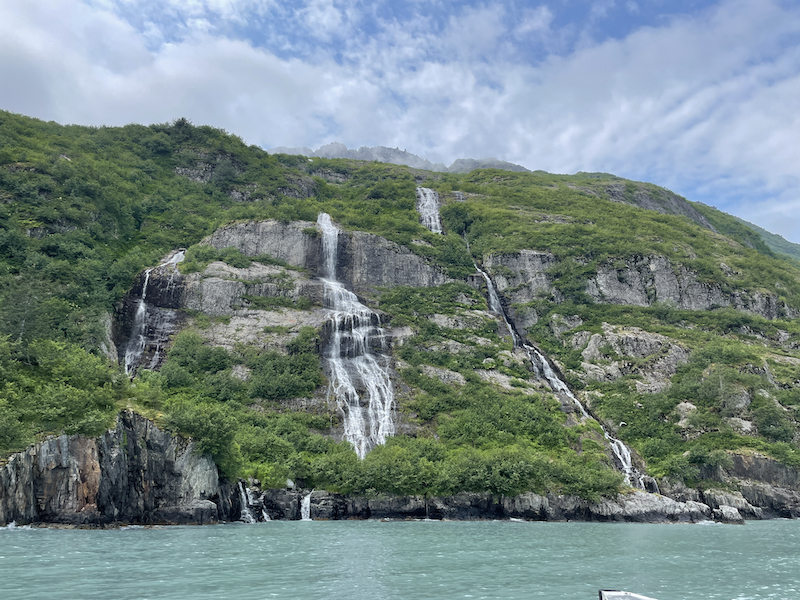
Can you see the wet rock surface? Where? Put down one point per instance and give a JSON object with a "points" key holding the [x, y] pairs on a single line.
{"points": [[638, 506], [135, 473]]}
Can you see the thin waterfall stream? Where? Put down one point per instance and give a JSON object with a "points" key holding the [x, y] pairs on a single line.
{"points": [[543, 368], [244, 497], [138, 340], [358, 367]]}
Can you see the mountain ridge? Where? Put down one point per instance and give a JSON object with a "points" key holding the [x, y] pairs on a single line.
{"points": [[676, 334], [396, 156]]}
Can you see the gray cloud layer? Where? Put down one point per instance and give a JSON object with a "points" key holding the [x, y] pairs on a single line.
{"points": [[703, 105]]}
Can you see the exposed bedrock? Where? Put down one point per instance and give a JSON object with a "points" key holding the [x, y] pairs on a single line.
{"points": [[364, 261], [223, 290], [757, 486], [646, 280], [624, 351], [637, 506], [135, 473], [639, 281], [291, 242]]}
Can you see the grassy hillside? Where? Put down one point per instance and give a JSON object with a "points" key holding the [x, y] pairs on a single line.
{"points": [[775, 242], [83, 210]]}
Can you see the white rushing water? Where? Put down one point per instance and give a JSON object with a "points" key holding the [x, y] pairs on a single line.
{"points": [[305, 508], [137, 342], [244, 496], [359, 376], [543, 368], [428, 209], [618, 447]]}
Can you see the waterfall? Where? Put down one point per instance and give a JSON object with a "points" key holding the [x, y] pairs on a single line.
{"points": [[542, 366], [428, 209], [305, 507], [244, 496], [137, 341], [150, 318], [618, 447], [495, 306], [355, 334], [265, 515]]}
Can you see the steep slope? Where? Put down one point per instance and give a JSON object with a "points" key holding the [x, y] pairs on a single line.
{"points": [[775, 242], [682, 342]]}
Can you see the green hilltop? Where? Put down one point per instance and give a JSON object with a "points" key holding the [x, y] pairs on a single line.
{"points": [[83, 210]]}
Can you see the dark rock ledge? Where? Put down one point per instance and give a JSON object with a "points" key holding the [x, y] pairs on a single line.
{"points": [[135, 473], [634, 507], [139, 474]]}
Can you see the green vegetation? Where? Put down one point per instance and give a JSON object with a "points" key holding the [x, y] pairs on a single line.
{"points": [[83, 210], [775, 242], [53, 387]]}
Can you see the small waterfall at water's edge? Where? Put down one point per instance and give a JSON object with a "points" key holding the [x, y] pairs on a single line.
{"points": [[244, 498], [359, 376], [305, 507]]}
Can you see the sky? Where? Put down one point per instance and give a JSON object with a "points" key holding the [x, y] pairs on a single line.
{"points": [[698, 96]]}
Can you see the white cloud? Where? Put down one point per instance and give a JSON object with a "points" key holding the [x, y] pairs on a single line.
{"points": [[536, 20], [601, 8], [704, 105]]}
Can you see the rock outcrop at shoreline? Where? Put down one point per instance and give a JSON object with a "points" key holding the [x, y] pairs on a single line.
{"points": [[135, 473], [634, 507]]}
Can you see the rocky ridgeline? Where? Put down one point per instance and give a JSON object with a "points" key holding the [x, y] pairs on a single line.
{"points": [[396, 156], [135, 473]]}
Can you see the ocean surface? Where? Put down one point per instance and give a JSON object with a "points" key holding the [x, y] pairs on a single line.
{"points": [[371, 560]]}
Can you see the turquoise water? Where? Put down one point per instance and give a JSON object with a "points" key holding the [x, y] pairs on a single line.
{"points": [[372, 560]]}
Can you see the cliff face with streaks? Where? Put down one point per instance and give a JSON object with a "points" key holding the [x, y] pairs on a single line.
{"points": [[135, 473]]}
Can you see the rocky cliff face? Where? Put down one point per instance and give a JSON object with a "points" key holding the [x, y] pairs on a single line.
{"points": [[648, 280], [134, 473], [641, 281], [396, 156], [637, 507], [619, 352], [364, 261]]}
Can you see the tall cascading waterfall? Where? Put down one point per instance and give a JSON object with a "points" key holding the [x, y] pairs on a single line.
{"points": [[428, 209], [147, 316], [359, 376], [543, 368]]}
